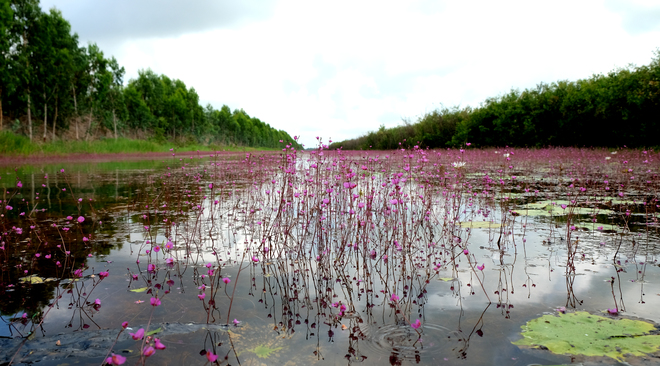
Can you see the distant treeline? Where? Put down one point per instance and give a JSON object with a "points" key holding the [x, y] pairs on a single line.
{"points": [[50, 87], [620, 108]]}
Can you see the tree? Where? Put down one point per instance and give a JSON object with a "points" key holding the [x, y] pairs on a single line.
{"points": [[6, 67]]}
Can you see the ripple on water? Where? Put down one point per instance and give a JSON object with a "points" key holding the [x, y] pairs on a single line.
{"points": [[402, 341]]}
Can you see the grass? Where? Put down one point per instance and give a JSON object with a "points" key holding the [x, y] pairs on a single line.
{"points": [[13, 145]]}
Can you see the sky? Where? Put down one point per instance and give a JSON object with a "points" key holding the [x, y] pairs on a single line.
{"points": [[339, 69]]}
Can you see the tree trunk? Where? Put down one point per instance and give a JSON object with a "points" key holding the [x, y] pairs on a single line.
{"points": [[45, 117], [75, 107], [29, 114], [114, 122], [89, 125], [55, 118], [1, 119]]}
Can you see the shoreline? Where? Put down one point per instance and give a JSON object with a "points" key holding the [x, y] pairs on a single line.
{"points": [[106, 157]]}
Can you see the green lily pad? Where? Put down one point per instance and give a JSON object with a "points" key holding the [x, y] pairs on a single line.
{"points": [[141, 289], [481, 224], [264, 351], [598, 227], [33, 279], [581, 333], [152, 332]]}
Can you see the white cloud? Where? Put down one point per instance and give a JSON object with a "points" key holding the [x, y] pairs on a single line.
{"points": [[342, 68]]}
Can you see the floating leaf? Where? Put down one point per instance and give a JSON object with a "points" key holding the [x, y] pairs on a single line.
{"points": [[142, 289], [480, 224], [31, 279], [152, 332], [446, 279], [264, 351], [581, 333]]}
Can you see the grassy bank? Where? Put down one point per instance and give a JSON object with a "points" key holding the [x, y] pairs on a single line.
{"points": [[16, 145]]}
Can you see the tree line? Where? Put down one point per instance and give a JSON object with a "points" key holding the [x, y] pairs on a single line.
{"points": [[51, 84], [616, 109]]}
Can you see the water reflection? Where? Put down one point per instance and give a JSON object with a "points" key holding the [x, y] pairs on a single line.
{"points": [[266, 259]]}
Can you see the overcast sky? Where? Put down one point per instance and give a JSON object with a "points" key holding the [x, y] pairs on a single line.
{"points": [[338, 69]]}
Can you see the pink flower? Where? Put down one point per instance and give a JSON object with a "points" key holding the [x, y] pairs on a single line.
{"points": [[226, 280], [148, 351], [201, 296], [236, 322], [155, 301], [151, 267], [614, 311], [81, 219], [255, 259], [169, 260], [466, 252], [416, 324], [115, 359], [97, 302], [124, 325], [19, 185], [211, 356], [394, 298], [169, 245], [138, 335], [103, 275], [481, 267], [158, 344]]}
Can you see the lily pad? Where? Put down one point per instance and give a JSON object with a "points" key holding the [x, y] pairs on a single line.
{"points": [[35, 279], [141, 289], [264, 351], [582, 333], [481, 224]]}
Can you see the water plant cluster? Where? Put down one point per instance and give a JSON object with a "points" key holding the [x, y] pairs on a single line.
{"points": [[404, 256]]}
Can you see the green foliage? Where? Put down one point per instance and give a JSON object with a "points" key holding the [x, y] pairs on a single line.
{"points": [[620, 108], [581, 333], [46, 75]]}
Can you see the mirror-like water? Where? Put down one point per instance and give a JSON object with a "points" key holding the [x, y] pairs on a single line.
{"points": [[329, 257]]}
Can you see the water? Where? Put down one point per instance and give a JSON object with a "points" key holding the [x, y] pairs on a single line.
{"points": [[278, 259]]}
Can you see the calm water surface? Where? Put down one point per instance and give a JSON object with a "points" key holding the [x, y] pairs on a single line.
{"points": [[301, 258]]}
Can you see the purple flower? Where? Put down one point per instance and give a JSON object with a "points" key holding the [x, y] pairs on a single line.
{"points": [[155, 301], [481, 267], [115, 359], [81, 219], [416, 324], [211, 356], [138, 335], [226, 280], [394, 298], [158, 344], [148, 351]]}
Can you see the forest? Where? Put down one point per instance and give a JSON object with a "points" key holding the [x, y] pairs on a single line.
{"points": [[617, 109], [53, 88]]}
